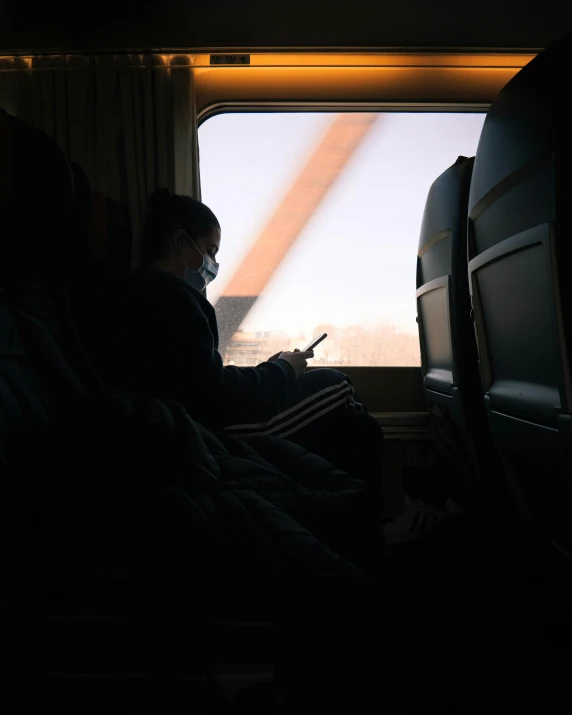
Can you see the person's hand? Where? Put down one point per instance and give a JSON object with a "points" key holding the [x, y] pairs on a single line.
{"points": [[297, 360], [275, 357]]}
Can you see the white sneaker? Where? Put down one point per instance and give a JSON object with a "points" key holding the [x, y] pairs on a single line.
{"points": [[416, 520]]}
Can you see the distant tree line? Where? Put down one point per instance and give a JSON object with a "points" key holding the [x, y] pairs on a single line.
{"points": [[381, 346]]}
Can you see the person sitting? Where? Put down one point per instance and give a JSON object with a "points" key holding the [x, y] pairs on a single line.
{"points": [[168, 344]]}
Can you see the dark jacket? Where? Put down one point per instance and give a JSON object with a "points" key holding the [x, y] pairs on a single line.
{"points": [[168, 343], [154, 498]]}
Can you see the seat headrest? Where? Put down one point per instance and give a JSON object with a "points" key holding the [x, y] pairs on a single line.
{"points": [[37, 190]]}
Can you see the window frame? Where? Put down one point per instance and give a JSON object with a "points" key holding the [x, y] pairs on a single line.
{"points": [[219, 108], [387, 389]]}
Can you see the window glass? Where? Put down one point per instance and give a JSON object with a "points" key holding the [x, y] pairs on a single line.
{"points": [[320, 217]]}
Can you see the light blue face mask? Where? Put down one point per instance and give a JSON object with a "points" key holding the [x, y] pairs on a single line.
{"points": [[200, 277]]}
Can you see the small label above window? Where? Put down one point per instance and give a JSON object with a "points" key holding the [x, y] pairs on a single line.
{"points": [[230, 59]]}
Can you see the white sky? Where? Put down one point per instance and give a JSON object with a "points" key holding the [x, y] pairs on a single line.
{"points": [[355, 261]]}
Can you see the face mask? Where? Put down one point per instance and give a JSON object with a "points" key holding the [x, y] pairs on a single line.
{"points": [[200, 277]]}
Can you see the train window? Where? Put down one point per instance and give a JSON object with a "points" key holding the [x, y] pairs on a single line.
{"points": [[320, 217]]}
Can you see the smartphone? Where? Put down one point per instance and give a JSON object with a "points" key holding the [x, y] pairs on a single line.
{"points": [[315, 341]]}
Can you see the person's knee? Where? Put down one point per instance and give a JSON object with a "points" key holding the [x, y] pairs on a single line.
{"points": [[364, 426]]}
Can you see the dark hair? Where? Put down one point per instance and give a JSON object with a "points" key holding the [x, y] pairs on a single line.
{"points": [[166, 212]]}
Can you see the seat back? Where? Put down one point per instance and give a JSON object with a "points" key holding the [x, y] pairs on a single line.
{"points": [[97, 262], [448, 349], [520, 246], [442, 288]]}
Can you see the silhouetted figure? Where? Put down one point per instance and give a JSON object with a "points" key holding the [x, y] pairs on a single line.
{"points": [[168, 340]]}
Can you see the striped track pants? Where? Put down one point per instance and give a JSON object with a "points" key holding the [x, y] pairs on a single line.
{"points": [[316, 393]]}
